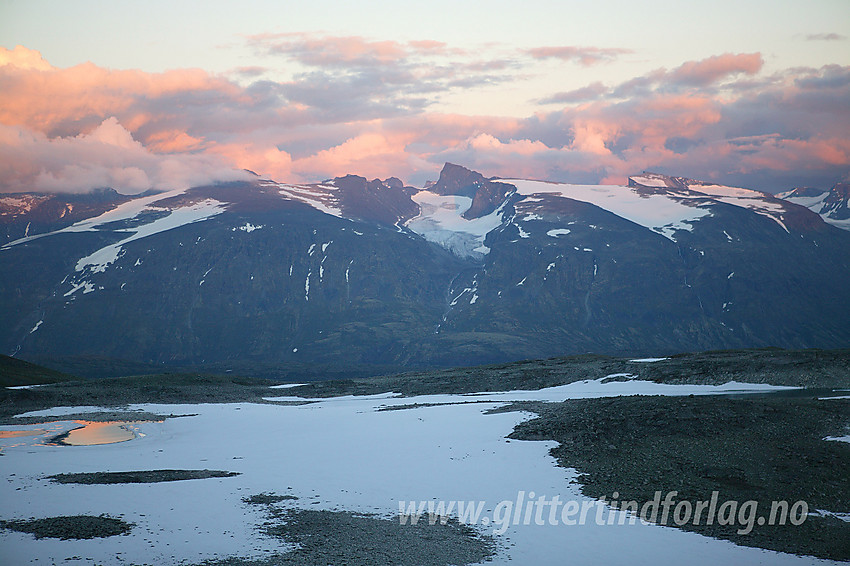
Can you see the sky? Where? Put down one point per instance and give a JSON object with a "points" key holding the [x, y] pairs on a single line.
{"points": [[155, 94]]}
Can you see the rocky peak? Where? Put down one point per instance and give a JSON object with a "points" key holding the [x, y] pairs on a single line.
{"points": [[836, 202], [458, 180], [375, 200], [394, 183], [486, 195]]}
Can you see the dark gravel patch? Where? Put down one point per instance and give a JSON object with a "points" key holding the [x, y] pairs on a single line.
{"points": [[98, 417], [342, 537], [267, 499], [407, 406], [120, 392], [146, 476], [761, 449], [802, 368], [799, 368], [71, 527]]}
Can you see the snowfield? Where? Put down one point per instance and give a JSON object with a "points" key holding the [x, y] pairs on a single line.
{"points": [[664, 213], [99, 260], [104, 257], [342, 453], [659, 213], [124, 211], [441, 221], [321, 197]]}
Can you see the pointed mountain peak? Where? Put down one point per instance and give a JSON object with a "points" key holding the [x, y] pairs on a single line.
{"points": [[458, 180]]}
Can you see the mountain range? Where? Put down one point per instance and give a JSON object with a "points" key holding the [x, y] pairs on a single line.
{"points": [[355, 276]]}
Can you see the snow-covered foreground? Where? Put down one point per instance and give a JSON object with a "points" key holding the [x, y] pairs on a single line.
{"points": [[339, 453]]}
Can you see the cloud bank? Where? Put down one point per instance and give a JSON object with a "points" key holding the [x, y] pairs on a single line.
{"points": [[355, 105], [106, 157]]}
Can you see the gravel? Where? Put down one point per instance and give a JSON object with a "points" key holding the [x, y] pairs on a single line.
{"points": [[146, 476], [71, 527]]}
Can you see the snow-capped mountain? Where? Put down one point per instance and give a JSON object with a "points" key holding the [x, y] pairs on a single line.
{"points": [[831, 205], [367, 276], [23, 214]]}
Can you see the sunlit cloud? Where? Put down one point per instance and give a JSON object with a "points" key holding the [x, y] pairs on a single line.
{"points": [[590, 92], [106, 157], [582, 55], [23, 59], [714, 69], [703, 76], [352, 77], [720, 118]]}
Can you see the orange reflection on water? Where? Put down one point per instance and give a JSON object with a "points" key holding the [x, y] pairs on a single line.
{"points": [[19, 433], [92, 433]]}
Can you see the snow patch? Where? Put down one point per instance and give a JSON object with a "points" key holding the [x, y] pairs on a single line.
{"points": [[616, 375], [248, 227], [86, 286], [840, 516], [662, 214], [122, 212], [441, 221], [650, 181], [323, 197], [98, 261], [522, 233]]}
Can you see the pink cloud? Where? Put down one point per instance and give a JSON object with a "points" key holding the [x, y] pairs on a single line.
{"points": [[372, 154], [173, 141], [23, 58], [333, 51], [69, 101], [85, 126], [583, 55], [106, 157], [263, 159], [431, 46], [784, 155], [590, 92], [713, 69]]}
